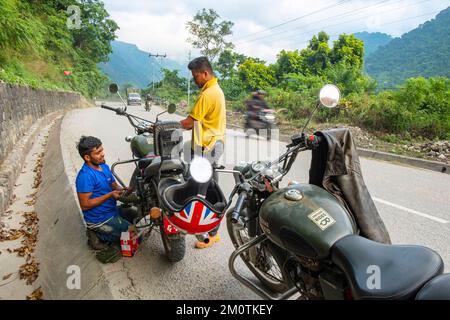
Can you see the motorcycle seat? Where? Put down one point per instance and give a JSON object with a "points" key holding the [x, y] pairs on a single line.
{"points": [[176, 195], [145, 162], [166, 165], [402, 270], [436, 289]]}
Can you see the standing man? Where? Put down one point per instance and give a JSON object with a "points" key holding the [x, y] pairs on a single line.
{"points": [[207, 120]]}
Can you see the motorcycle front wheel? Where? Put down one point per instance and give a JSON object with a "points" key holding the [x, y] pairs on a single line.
{"points": [[265, 261], [174, 245]]}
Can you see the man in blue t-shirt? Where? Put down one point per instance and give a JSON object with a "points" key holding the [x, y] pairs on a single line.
{"points": [[97, 193]]}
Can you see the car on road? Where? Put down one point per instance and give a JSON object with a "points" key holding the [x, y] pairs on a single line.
{"points": [[134, 98]]}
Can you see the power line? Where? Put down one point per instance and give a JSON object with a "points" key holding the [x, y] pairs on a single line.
{"points": [[153, 67], [295, 19], [392, 22], [345, 22], [326, 18]]}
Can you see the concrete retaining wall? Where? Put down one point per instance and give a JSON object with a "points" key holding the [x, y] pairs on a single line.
{"points": [[23, 111]]}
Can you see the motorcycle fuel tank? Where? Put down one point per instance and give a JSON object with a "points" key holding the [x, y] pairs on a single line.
{"points": [[305, 219], [141, 145]]}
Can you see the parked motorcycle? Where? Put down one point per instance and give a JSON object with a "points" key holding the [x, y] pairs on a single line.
{"points": [[300, 240], [162, 190]]}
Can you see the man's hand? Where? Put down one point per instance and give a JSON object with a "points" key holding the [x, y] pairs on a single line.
{"points": [[116, 194], [187, 123]]}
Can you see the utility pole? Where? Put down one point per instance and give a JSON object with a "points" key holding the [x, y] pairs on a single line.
{"points": [[153, 69], [189, 81]]}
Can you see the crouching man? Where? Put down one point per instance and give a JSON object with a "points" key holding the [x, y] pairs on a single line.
{"points": [[98, 192]]}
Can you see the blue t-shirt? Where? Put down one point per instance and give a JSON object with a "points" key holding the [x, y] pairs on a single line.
{"points": [[99, 183]]}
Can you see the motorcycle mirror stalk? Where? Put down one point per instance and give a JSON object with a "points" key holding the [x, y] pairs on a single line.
{"points": [[329, 97], [170, 109], [114, 88]]}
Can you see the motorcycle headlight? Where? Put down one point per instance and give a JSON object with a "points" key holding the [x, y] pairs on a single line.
{"points": [[270, 117], [201, 169]]}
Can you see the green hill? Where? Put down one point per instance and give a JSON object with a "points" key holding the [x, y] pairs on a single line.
{"points": [[373, 40], [424, 51], [128, 64], [38, 48]]}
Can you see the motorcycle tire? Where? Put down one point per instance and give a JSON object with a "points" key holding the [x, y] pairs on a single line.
{"points": [[280, 285], [174, 245]]}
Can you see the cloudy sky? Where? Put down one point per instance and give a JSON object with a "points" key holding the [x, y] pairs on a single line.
{"points": [[263, 27]]}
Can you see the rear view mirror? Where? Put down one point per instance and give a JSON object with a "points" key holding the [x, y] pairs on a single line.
{"points": [[329, 95], [113, 88], [171, 108]]}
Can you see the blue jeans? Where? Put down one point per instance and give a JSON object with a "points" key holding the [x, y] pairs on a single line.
{"points": [[111, 230]]}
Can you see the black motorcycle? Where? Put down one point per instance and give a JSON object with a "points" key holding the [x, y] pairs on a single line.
{"points": [[161, 191]]}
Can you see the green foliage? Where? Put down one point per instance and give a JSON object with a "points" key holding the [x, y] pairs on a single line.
{"points": [[256, 75], [208, 34], [348, 50], [420, 107], [37, 46], [228, 63], [172, 88]]}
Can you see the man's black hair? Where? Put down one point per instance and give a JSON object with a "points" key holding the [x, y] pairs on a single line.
{"points": [[87, 144], [200, 64]]}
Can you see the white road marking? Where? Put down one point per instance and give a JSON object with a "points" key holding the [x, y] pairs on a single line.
{"points": [[424, 215]]}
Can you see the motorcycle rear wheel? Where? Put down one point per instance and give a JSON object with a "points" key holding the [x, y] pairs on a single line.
{"points": [[174, 245], [270, 258]]}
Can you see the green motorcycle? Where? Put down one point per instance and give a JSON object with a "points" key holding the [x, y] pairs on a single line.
{"points": [[301, 242]]}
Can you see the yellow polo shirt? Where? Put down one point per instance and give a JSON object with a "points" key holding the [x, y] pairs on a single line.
{"points": [[210, 114]]}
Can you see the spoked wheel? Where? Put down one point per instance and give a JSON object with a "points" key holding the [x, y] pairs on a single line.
{"points": [[174, 245], [265, 260]]}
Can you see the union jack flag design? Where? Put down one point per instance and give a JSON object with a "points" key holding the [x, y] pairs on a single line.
{"points": [[195, 218]]}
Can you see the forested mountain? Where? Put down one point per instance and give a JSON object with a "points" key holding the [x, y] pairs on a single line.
{"points": [[373, 40], [424, 51], [128, 64]]}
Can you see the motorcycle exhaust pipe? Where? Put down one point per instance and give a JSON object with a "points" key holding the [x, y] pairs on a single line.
{"points": [[203, 237]]}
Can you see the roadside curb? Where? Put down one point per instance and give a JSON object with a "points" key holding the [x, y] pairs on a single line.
{"points": [[62, 249]]}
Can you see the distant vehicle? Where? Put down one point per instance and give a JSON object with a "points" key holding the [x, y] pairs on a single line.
{"points": [[134, 98]]}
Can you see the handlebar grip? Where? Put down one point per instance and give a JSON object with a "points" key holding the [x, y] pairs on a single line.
{"points": [[109, 108], [238, 208], [313, 141]]}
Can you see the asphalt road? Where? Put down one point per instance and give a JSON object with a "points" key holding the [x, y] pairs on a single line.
{"points": [[414, 204]]}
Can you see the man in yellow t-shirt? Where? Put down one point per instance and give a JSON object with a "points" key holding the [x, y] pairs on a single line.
{"points": [[207, 119]]}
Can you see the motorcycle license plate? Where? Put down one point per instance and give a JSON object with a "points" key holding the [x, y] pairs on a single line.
{"points": [[170, 229]]}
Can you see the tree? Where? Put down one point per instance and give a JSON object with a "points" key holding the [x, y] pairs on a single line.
{"points": [[228, 63], [256, 75], [208, 34], [96, 32], [316, 57], [288, 62], [349, 50]]}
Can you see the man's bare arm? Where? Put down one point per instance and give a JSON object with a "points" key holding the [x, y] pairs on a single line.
{"points": [[86, 203], [187, 123]]}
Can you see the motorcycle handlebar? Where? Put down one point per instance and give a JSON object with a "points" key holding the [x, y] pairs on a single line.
{"points": [[238, 208], [116, 110], [312, 141]]}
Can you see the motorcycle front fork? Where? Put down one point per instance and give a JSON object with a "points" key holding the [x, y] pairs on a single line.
{"points": [[256, 288]]}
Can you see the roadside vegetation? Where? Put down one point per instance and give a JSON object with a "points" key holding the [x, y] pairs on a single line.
{"points": [[45, 45]]}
